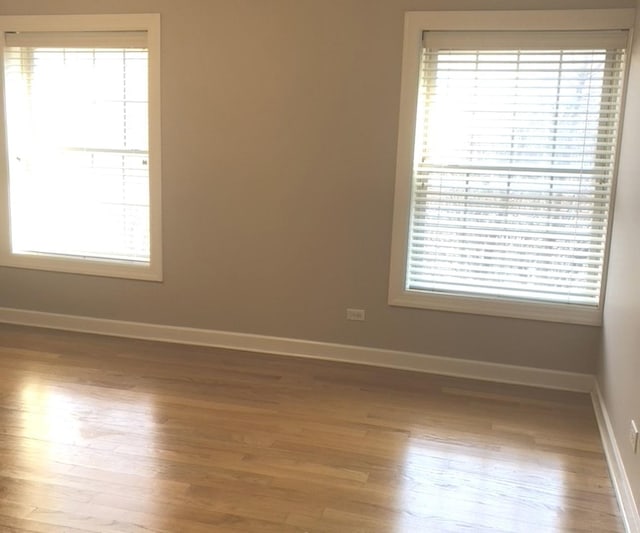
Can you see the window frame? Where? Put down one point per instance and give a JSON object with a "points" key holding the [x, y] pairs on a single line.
{"points": [[416, 22], [151, 271]]}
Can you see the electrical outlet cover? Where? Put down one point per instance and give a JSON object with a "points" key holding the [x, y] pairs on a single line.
{"points": [[633, 436], [355, 314]]}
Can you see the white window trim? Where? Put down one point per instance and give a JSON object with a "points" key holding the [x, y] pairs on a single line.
{"points": [[152, 271], [415, 24]]}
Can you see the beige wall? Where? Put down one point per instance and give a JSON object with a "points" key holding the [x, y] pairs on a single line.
{"points": [[619, 367], [279, 137]]}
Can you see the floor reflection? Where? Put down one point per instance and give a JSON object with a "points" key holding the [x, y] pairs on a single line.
{"points": [[504, 489], [81, 446]]}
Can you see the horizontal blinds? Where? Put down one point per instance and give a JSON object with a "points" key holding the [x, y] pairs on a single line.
{"points": [[514, 160], [77, 113]]}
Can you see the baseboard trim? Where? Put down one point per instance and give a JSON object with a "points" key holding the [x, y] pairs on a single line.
{"points": [[416, 362], [621, 485]]}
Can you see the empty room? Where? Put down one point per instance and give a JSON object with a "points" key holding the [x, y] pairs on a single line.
{"points": [[319, 266]]}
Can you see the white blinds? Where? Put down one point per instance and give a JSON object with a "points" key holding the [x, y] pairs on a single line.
{"points": [[77, 120], [513, 164]]}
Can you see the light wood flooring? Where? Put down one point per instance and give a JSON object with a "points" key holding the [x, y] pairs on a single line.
{"points": [[102, 434]]}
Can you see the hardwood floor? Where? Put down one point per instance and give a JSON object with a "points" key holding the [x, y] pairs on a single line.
{"points": [[102, 434]]}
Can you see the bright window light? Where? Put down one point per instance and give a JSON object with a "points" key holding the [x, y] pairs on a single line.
{"points": [[77, 123]]}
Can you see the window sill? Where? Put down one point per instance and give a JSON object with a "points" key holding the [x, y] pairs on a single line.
{"points": [[92, 267], [543, 311]]}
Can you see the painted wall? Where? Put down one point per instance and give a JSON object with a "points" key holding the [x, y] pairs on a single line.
{"points": [[279, 139], [619, 366]]}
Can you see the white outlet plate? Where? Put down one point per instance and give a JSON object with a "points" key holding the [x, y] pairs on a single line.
{"points": [[355, 314], [633, 436]]}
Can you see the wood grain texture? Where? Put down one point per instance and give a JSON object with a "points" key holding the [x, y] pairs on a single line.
{"points": [[99, 434]]}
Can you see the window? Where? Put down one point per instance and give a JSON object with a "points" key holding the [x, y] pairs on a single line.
{"points": [[506, 162], [82, 192]]}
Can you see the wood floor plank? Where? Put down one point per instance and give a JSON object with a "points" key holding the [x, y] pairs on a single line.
{"points": [[106, 435]]}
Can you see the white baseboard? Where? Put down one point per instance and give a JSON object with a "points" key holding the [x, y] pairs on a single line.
{"points": [[535, 377], [619, 478]]}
